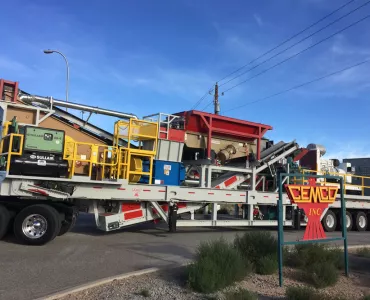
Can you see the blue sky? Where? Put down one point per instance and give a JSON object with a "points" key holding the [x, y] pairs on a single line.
{"points": [[150, 56]]}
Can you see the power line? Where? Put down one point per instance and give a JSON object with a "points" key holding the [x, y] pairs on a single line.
{"points": [[295, 44], [300, 85], [272, 49], [300, 52], [201, 99], [289, 39], [207, 105]]}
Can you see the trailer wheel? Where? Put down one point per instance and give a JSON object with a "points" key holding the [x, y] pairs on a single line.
{"points": [[37, 224], [349, 221], [67, 224], [4, 221], [329, 221], [361, 221]]}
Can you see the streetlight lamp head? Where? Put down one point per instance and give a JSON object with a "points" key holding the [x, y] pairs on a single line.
{"points": [[48, 51]]}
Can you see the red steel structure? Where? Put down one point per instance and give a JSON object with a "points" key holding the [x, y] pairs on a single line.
{"points": [[209, 124], [13, 89]]}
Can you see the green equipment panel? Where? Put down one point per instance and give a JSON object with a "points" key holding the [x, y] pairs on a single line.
{"points": [[43, 139]]}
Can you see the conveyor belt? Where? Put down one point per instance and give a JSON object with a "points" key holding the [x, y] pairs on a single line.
{"points": [[269, 156]]}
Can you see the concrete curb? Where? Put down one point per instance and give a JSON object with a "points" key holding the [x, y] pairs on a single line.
{"points": [[96, 283], [102, 281]]}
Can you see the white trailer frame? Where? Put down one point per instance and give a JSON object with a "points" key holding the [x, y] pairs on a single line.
{"points": [[152, 202]]}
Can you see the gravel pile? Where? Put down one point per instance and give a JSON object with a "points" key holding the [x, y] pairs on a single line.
{"points": [[171, 285]]}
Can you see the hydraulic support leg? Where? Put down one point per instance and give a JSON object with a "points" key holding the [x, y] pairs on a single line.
{"points": [[172, 217]]}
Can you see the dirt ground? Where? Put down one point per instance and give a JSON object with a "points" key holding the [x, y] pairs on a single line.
{"points": [[171, 284]]}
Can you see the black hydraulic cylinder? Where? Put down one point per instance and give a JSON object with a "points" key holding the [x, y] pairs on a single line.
{"points": [[172, 217]]}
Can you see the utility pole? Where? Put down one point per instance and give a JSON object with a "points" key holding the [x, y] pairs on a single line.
{"points": [[215, 101]]}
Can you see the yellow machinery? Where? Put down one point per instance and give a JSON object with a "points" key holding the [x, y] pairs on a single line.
{"points": [[98, 161], [117, 161], [142, 138]]}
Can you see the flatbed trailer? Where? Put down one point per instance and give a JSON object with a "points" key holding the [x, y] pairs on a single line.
{"points": [[39, 208]]}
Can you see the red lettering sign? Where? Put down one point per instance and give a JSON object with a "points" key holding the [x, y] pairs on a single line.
{"points": [[313, 200]]}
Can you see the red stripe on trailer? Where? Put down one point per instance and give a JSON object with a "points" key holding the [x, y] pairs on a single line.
{"points": [[38, 192], [191, 192], [162, 191], [146, 190], [133, 214], [211, 193], [130, 206], [242, 195], [97, 187], [228, 194], [265, 196], [121, 189], [230, 181]]}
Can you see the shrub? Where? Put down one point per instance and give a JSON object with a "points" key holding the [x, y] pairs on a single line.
{"points": [[267, 265], [364, 252], [260, 248], [366, 297], [307, 293], [302, 293], [303, 255], [145, 293], [217, 265], [241, 294], [322, 274]]}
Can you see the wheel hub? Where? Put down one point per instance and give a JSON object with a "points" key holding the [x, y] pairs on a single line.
{"points": [[330, 221], [34, 226], [348, 221], [362, 221]]}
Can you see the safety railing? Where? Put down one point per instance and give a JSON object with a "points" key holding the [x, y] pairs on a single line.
{"points": [[361, 187], [14, 147], [80, 154], [164, 123], [144, 135], [137, 132]]}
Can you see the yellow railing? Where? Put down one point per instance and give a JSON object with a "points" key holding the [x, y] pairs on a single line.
{"points": [[114, 162], [100, 155], [144, 135], [11, 137], [323, 181]]}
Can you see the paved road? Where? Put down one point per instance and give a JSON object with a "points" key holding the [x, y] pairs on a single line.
{"points": [[87, 254]]}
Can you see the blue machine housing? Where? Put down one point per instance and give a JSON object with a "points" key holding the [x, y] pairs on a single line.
{"points": [[165, 172]]}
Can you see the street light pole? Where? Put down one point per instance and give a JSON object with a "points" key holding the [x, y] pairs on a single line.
{"points": [[65, 58]]}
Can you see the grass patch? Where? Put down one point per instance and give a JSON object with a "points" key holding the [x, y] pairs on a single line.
{"points": [[302, 293], [322, 274], [364, 252], [260, 248], [366, 297], [241, 294], [307, 293], [217, 265], [145, 293]]}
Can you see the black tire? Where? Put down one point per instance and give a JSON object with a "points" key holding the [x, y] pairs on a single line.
{"points": [[4, 221], [361, 221], [48, 218], [67, 224], [329, 221], [350, 225]]}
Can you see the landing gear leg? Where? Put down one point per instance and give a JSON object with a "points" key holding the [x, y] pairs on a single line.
{"points": [[172, 217]]}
